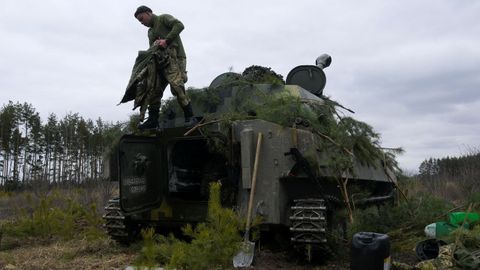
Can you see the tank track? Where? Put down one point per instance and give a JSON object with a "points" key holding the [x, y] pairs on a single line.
{"points": [[308, 221], [115, 222]]}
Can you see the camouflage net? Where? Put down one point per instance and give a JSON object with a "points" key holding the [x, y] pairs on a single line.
{"points": [[258, 74]]}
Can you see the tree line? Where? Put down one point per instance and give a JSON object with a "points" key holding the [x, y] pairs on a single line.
{"points": [[463, 171], [59, 150]]}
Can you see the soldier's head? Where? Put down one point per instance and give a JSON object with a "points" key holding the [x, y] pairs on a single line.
{"points": [[144, 15]]}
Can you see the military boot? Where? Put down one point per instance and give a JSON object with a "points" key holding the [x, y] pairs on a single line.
{"points": [[188, 113], [152, 121]]}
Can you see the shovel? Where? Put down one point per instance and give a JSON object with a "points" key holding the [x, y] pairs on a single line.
{"points": [[244, 258]]}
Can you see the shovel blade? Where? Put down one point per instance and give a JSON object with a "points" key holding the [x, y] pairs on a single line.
{"points": [[244, 258]]}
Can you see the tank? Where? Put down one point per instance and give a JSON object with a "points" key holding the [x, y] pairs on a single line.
{"points": [[312, 165]]}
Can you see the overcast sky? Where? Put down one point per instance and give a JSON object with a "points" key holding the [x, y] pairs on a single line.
{"points": [[409, 68]]}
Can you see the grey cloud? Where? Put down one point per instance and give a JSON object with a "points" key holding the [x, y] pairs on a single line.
{"points": [[409, 68]]}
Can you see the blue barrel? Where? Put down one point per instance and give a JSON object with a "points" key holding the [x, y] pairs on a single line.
{"points": [[370, 251]]}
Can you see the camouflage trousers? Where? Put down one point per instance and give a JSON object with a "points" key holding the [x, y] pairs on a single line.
{"points": [[174, 74]]}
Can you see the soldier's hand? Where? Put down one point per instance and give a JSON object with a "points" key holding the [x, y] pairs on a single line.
{"points": [[161, 42]]}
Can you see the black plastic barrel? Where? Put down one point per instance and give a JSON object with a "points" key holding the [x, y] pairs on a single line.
{"points": [[370, 251]]}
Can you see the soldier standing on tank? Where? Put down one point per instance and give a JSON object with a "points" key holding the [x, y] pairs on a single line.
{"points": [[163, 31]]}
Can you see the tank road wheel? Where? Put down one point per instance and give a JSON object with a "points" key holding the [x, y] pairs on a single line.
{"points": [[117, 224], [308, 225]]}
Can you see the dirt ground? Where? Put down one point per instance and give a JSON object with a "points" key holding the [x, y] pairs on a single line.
{"points": [[106, 254], [268, 260]]}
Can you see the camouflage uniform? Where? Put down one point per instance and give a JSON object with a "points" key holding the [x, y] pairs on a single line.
{"points": [[444, 260], [146, 78], [168, 27]]}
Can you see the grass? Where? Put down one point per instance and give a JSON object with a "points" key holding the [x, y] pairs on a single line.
{"points": [[52, 214], [58, 228], [73, 254]]}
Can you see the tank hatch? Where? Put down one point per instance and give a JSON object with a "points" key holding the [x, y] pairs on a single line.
{"points": [[227, 76], [311, 77], [139, 171]]}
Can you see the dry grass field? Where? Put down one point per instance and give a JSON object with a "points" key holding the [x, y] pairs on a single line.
{"points": [[61, 228]]}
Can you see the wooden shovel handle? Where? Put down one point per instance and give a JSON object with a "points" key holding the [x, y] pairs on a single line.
{"points": [[254, 180]]}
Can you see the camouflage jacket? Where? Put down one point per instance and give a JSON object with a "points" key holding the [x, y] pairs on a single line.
{"points": [[167, 27], [145, 77]]}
